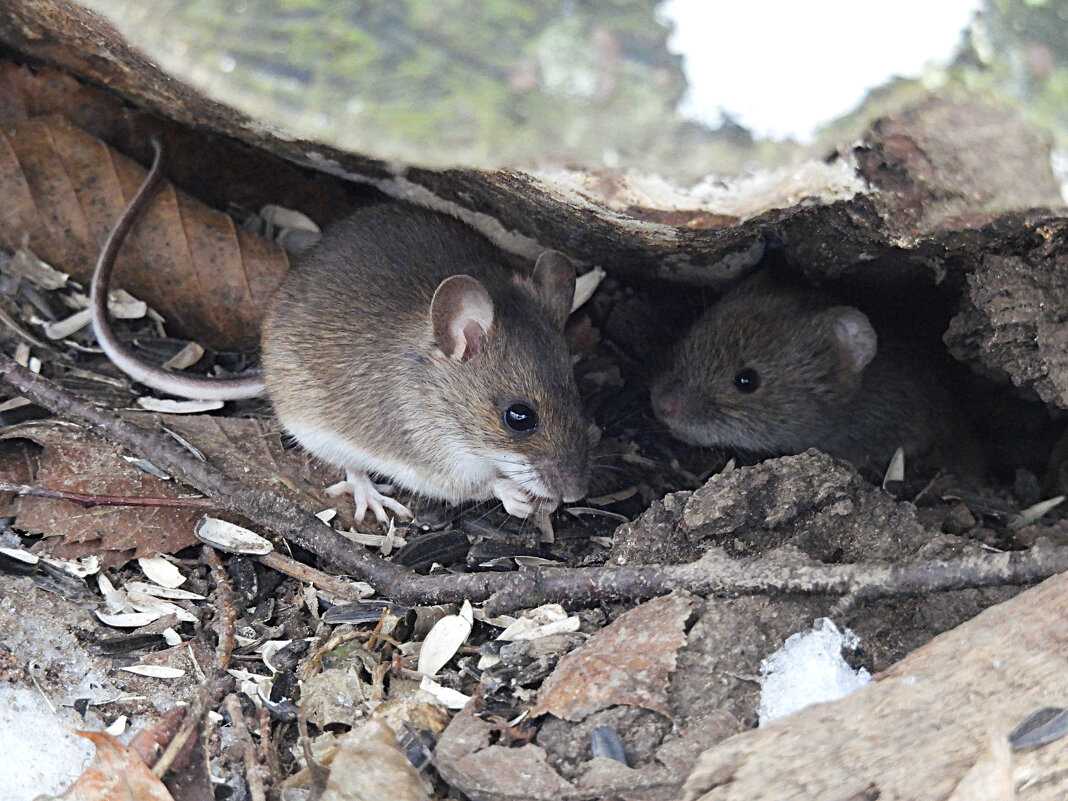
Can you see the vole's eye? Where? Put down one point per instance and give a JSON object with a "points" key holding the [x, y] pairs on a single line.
{"points": [[520, 418], [747, 380]]}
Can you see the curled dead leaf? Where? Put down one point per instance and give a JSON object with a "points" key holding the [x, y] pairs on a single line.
{"points": [[115, 774], [64, 189]]}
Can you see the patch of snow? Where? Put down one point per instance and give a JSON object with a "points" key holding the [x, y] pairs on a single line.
{"points": [[808, 669], [39, 753]]}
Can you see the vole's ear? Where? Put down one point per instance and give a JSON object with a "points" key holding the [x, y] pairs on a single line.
{"points": [[854, 336], [554, 277], [461, 312]]}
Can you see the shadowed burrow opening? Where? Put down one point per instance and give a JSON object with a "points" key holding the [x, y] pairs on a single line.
{"points": [[990, 433]]}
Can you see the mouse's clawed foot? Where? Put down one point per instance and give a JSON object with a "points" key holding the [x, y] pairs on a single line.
{"points": [[517, 501], [368, 496]]}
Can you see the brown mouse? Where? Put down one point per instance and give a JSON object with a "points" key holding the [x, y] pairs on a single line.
{"points": [[772, 370], [405, 345]]}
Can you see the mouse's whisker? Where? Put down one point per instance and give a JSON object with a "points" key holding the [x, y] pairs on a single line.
{"points": [[609, 468]]}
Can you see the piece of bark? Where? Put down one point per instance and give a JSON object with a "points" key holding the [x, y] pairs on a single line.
{"points": [[466, 759], [933, 161], [939, 170], [1013, 320], [627, 663], [921, 727], [928, 194]]}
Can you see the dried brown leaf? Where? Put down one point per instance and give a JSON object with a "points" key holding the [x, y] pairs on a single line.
{"points": [[73, 460], [370, 766], [115, 774], [65, 189], [252, 448], [627, 663]]}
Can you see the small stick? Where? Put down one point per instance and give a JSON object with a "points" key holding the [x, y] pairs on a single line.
{"points": [[268, 756], [309, 575], [248, 748], [225, 623], [193, 714], [87, 500]]}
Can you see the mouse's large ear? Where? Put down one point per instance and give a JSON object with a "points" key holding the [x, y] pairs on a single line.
{"points": [[856, 339], [554, 276], [462, 312]]}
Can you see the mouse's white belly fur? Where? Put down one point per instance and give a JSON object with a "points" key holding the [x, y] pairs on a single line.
{"points": [[465, 477]]}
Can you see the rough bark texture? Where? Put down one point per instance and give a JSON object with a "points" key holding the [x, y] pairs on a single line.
{"points": [[1013, 319], [918, 731]]}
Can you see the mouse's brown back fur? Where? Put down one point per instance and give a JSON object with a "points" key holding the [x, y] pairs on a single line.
{"points": [[371, 374]]}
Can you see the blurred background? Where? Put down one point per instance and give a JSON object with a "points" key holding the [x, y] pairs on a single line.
{"points": [[682, 88]]}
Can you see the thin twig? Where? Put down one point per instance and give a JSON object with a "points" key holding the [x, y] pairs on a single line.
{"points": [[268, 756], [289, 566], [87, 500], [248, 748], [213, 687], [226, 609], [189, 724]]}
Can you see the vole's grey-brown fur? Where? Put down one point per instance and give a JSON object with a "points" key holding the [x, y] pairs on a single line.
{"points": [[406, 346], [824, 379]]}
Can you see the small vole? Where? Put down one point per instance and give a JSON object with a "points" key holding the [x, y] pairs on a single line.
{"points": [[774, 370], [405, 345]]}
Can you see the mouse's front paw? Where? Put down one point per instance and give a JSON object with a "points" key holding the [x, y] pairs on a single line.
{"points": [[368, 496], [517, 501]]}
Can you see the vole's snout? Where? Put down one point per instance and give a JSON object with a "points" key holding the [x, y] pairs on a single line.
{"points": [[670, 401], [575, 486]]}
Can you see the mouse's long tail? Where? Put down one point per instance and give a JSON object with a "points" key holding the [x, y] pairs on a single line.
{"points": [[123, 357]]}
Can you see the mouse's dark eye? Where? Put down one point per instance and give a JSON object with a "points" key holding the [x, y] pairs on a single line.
{"points": [[747, 380], [520, 418]]}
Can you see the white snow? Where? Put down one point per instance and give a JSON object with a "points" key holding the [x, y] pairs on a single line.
{"points": [[808, 669], [38, 751]]}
